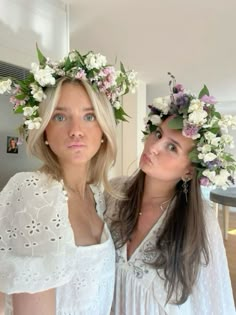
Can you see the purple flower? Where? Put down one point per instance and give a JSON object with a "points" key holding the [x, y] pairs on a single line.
{"points": [[204, 181], [214, 164], [190, 131], [154, 110], [181, 102], [208, 99], [178, 88]]}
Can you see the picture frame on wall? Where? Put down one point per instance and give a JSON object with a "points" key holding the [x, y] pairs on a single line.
{"points": [[12, 146]]}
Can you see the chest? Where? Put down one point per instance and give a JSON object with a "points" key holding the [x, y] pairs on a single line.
{"points": [[146, 223], [87, 226]]}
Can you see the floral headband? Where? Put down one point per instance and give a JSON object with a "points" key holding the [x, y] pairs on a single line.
{"points": [[93, 68], [199, 120]]}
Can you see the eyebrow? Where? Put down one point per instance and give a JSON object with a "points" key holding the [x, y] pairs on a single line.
{"points": [[171, 139], [85, 109]]}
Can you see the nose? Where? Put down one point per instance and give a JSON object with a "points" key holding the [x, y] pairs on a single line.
{"points": [[76, 129], [155, 147]]}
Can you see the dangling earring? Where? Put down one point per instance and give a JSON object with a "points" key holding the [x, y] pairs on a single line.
{"points": [[46, 142], [185, 188]]}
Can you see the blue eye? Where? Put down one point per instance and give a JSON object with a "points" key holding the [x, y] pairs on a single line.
{"points": [[89, 117], [59, 117]]}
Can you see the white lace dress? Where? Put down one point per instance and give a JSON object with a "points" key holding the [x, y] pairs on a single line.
{"points": [[140, 291], [38, 252]]}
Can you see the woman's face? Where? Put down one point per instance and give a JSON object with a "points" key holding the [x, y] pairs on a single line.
{"points": [[165, 154], [73, 132], [12, 143]]}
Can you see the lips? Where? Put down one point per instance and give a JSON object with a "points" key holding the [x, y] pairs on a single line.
{"points": [[75, 145], [146, 158]]}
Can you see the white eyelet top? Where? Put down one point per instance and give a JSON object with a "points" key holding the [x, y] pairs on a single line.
{"points": [[140, 291], [38, 251]]}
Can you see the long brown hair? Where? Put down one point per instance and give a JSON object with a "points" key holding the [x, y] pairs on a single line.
{"points": [[181, 244]]}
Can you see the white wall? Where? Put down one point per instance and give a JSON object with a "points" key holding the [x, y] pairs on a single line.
{"points": [[22, 24], [129, 134]]}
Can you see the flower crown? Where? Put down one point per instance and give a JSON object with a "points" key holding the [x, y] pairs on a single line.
{"points": [[199, 120], [91, 67]]}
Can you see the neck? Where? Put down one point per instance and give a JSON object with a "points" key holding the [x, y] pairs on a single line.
{"points": [[157, 192], [75, 180]]}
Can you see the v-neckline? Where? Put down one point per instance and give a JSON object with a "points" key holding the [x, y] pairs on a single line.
{"points": [[155, 226]]}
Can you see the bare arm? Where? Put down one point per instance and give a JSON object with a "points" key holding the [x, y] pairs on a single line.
{"points": [[37, 303]]}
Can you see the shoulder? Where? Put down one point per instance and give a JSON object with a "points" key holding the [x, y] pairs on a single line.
{"points": [[99, 198], [28, 179]]}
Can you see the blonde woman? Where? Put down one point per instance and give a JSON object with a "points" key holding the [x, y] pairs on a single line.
{"points": [[57, 255]]}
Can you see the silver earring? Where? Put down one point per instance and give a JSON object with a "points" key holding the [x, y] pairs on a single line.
{"points": [[185, 188], [46, 142], [102, 140]]}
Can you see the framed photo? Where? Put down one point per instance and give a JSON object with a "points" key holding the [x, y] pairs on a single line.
{"points": [[12, 146]]}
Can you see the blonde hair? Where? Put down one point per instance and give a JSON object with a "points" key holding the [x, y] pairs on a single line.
{"points": [[104, 158]]}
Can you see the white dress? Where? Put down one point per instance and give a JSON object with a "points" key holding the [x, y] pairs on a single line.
{"points": [[38, 251], [140, 291]]}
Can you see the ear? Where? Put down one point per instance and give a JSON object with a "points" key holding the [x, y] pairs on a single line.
{"points": [[188, 175]]}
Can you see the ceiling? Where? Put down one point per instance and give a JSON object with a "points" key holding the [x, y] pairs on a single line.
{"points": [[195, 40]]}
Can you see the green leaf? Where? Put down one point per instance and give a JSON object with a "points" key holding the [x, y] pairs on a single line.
{"points": [[20, 96], [120, 114], [218, 115], [41, 58], [176, 123], [152, 128], [19, 110], [193, 156], [122, 68], [67, 64], [204, 91]]}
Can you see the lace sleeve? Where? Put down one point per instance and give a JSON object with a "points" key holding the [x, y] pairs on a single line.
{"points": [[36, 240]]}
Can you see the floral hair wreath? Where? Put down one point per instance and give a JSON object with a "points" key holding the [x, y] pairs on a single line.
{"points": [[91, 67], [199, 120]]}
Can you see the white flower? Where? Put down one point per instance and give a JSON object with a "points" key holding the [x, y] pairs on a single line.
{"points": [[162, 103], [227, 121], [198, 117], [209, 136], [208, 157], [205, 148], [117, 105], [43, 76], [5, 86], [155, 119], [95, 61], [37, 92], [227, 139], [29, 111], [33, 123], [215, 141], [222, 178], [132, 75], [210, 174], [73, 55], [195, 105]]}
